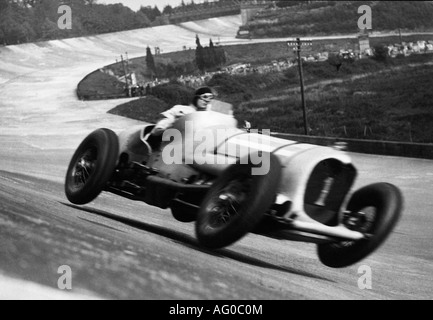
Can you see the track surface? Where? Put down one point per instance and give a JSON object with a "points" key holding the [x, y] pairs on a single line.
{"points": [[121, 249]]}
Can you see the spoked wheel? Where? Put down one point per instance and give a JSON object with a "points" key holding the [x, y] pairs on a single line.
{"points": [[91, 166], [236, 203], [374, 211], [226, 204], [84, 168]]}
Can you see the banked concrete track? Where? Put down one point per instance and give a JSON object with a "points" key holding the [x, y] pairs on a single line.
{"points": [[120, 249]]}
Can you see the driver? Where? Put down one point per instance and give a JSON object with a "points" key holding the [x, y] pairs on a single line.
{"points": [[201, 102]]}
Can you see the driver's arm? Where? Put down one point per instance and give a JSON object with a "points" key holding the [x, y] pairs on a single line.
{"points": [[170, 117], [163, 125]]}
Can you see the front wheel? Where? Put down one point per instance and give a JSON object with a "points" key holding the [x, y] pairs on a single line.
{"points": [[236, 203], [374, 211], [92, 166]]}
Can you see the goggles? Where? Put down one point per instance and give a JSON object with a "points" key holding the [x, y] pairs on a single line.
{"points": [[207, 96]]}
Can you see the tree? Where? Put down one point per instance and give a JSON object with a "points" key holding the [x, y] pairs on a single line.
{"points": [[336, 61], [171, 71], [50, 30], [4, 4], [381, 53], [199, 55], [156, 12], [223, 56], [2, 37], [13, 28], [168, 10], [151, 13], [150, 62], [208, 57], [213, 54], [141, 20], [35, 20]]}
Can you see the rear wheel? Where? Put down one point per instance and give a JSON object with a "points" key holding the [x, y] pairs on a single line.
{"points": [[92, 166], [374, 211], [236, 203]]}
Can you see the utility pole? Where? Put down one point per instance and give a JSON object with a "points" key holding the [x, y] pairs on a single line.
{"points": [[126, 75], [127, 67], [399, 33], [298, 44]]}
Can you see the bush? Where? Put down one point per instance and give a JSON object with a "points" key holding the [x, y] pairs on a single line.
{"points": [[227, 84], [279, 115], [99, 85], [292, 76], [335, 60], [146, 109], [381, 53], [319, 70], [173, 94], [230, 88], [366, 65]]}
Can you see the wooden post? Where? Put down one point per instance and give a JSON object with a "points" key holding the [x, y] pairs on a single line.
{"points": [[298, 44], [301, 76], [126, 76]]}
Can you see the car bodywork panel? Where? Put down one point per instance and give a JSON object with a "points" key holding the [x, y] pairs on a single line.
{"points": [[315, 179]]}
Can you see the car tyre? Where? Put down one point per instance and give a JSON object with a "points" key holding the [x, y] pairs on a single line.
{"points": [[92, 166], [373, 210], [236, 203]]}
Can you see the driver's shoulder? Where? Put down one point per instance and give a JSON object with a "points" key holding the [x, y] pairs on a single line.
{"points": [[181, 110]]}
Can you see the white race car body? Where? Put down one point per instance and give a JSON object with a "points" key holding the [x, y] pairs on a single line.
{"points": [[308, 188]]}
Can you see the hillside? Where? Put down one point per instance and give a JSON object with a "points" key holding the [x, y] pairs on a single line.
{"points": [[366, 99], [340, 17], [181, 64], [392, 104]]}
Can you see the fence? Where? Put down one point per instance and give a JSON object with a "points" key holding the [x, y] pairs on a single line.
{"points": [[387, 148]]}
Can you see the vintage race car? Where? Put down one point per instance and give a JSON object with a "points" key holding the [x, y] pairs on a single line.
{"points": [[231, 182]]}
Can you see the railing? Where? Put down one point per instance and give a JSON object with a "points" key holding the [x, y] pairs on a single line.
{"points": [[377, 147]]}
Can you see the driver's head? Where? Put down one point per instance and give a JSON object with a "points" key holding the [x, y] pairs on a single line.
{"points": [[203, 98]]}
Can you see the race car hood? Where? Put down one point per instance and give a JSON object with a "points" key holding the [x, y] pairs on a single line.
{"points": [[229, 144]]}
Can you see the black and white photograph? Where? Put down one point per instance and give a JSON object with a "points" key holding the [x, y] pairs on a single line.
{"points": [[216, 155]]}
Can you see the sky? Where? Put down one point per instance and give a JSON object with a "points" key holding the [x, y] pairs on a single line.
{"points": [[136, 4]]}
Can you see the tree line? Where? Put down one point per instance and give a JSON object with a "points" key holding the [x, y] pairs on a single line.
{"points": [[24, 21], [341, 17], [206, 58], [210, 57]]}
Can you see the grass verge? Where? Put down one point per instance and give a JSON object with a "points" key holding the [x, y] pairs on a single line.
{"points": [[394, 102]]}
